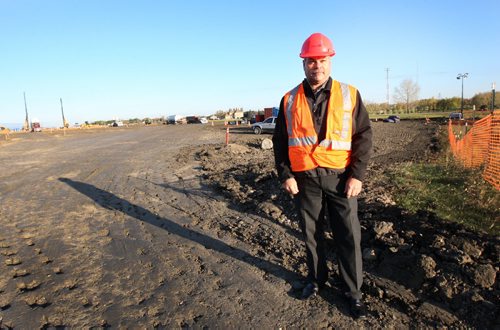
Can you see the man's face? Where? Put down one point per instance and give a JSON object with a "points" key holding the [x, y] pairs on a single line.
{"points": [[317, 69]]}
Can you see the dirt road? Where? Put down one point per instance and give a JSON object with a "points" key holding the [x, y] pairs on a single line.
{"points": [[168, 227]]}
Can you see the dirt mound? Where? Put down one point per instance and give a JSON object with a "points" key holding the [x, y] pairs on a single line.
{"points": [[419, 269]]}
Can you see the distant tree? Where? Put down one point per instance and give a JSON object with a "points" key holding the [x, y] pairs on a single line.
{"points": [[406, 93], [249, 114], [398, 107], [376, 108], [425, 105], [448, 104], [482, 100], [220, 114], [101, 122]]}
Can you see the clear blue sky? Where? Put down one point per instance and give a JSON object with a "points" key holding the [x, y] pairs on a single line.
{"points": [[122, 59]]}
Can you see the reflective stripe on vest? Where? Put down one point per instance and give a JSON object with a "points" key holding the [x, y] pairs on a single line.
{"points": [[288, 109], [334, 151], [346, 96], [338, 145], [305, 141], [296, 141]]}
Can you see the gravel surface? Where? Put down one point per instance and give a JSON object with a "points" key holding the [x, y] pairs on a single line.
{"points": [[168, 227]]}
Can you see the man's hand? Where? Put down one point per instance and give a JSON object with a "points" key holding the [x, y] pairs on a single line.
{"points": [[353, 187], [290, 186]]}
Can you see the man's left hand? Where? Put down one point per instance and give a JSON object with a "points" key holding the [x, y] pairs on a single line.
{"points": [[353, 187]]}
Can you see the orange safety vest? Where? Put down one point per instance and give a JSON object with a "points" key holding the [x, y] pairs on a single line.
{"points": [[304, 151]]}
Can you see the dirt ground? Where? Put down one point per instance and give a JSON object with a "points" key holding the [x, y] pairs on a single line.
{"points": [[168, 227]]}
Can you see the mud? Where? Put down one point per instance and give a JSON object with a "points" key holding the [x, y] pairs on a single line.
{"points": [[168, 227]]}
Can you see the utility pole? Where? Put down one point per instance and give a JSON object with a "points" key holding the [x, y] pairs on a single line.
{"points": [[65, 123], [26, 126], [387, 85]]}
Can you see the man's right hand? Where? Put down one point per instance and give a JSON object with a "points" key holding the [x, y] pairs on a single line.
{"points": [[290, 186]]}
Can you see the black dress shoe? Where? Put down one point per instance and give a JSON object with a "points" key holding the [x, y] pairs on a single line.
{"points": [[358, 308], [309, 291]]}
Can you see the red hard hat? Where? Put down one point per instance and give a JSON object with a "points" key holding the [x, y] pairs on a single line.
{"points": [[317, 45]]}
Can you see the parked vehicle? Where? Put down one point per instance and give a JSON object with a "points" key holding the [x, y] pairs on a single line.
{"points": [[193, 120], [117, 124], [392, 119], [456, 116], [176, 119], [267, 125], [35, 126]]}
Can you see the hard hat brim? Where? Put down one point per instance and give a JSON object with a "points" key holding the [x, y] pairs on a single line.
{"points": [[310, 55]]}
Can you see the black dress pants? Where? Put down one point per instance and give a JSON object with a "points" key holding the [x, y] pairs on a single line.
{"points": [[328, 191]]}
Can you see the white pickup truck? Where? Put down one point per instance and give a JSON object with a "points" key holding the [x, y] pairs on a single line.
{"points": [[264, 126]]}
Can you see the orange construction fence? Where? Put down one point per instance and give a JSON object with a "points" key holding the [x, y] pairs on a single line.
{"points": [[479, 146]]}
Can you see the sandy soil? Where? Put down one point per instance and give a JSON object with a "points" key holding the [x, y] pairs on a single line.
{"points": [[168, 227]]}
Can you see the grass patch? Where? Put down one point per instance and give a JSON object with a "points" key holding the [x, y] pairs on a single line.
{"points": [[450, 191], [468, 114]]}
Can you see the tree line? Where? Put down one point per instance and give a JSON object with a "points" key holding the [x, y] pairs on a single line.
{"points": [[406, 101]]}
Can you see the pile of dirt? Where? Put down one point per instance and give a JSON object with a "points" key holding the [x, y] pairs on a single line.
{"points": [[430, 272]]}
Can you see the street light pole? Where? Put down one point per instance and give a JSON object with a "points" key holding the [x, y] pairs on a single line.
{"points": [[462, 76]]}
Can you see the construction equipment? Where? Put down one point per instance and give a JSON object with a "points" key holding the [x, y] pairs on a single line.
{"points": [[271, 112]]}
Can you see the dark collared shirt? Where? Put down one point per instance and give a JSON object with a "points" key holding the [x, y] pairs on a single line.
{"points": [[361, 144]]}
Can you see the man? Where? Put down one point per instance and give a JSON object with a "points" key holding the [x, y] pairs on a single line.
{"points": [[322, 144]]}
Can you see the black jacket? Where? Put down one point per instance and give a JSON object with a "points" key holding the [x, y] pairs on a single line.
{"points": [[361, 144]]}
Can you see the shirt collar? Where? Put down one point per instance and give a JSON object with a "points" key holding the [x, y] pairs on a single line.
{"points": [[327, 86]]}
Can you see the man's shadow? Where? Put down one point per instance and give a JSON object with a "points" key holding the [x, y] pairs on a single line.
{"points": [[113, 202], [204, 192]]}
